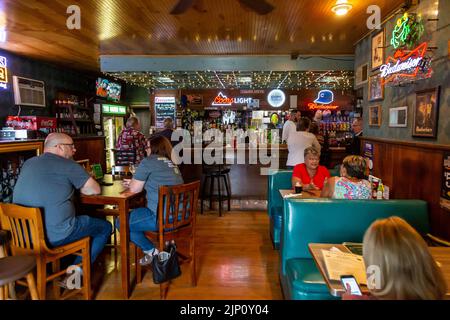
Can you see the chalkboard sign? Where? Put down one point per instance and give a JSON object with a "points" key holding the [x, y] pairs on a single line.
{"points": [[164, 108]]}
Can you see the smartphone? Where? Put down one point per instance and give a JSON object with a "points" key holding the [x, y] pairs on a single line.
{"points": [[354, 287]]}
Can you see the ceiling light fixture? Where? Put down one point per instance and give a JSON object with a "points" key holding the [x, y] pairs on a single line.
{"points": [[341, 7]]}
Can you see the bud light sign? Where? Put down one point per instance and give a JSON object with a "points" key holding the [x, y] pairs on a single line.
{"points": [[276, 98]]}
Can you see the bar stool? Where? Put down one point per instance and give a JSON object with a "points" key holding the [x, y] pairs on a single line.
{"points": [[15, 268], [211, 173], [4, 239]]}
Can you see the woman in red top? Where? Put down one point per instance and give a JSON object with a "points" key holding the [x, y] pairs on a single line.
{"points": [[310, 174]]}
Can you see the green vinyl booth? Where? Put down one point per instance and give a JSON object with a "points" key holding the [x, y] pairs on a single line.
{"points": [[331, 221], [277, 179], [280, 179]]}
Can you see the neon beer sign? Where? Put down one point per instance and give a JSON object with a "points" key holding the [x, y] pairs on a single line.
{"points": [[223, 100], [406, 65]]}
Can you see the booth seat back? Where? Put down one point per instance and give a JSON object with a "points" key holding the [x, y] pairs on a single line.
{"points": [[277, 179], [336, 221]]}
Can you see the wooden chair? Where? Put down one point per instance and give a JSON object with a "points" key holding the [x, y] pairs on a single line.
{"points": [[177, 207], [85, 164], [28, 238], [119, 172], [15, 268]]}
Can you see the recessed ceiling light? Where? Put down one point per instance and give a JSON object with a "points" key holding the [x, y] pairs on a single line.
{"points": [[341, 7]]}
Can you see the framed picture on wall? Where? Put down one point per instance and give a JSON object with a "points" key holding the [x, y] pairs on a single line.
{"points": [[362, 74], [398, 117], [376, 88], [378, 41], [426, 113], [195, 99], [375, 116]]}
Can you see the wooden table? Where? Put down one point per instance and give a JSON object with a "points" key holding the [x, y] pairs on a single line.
{"points": [[306, 194], [120, 196], [440, 254]]}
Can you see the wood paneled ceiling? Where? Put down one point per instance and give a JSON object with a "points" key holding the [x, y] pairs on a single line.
{"points": [[211, 27]]}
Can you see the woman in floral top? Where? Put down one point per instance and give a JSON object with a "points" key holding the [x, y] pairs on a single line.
{"points": [[131, 143], [351, 184]]}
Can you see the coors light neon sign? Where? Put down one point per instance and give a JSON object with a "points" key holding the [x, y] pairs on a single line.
{"points": [[406, 66]]}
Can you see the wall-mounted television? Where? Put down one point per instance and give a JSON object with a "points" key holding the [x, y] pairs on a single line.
{"points": [[108, 89]]}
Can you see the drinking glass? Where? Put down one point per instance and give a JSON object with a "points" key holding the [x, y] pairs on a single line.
{"points": [[132, 168]]}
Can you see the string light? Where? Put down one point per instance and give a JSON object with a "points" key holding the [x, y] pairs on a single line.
{"points": [[293, 80]]}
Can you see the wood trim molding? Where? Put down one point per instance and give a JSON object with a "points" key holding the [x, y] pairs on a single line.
{"points": [[408, 143]]}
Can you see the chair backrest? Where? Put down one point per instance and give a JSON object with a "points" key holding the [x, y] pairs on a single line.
{"points": [[26, 227], [85, 164], [120, 171], [177, 206]]}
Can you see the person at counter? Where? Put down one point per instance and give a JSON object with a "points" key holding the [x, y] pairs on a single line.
{"points": [[351, 184], [355, 145], [154, 171], [167, 132], [291, 124], [310, 174], [408, 270], [131, 143], [48, 182], [298, 141]]}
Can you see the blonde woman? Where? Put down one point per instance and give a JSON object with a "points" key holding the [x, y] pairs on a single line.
{"points": [[351, 184], [407, 269]]}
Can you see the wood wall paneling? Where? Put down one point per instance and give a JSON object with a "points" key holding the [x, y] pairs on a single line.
{"points": [[413, 171]]}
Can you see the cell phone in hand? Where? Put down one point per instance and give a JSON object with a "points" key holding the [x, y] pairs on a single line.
{"points": [[351, 281]]}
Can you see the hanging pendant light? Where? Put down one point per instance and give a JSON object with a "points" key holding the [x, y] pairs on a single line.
{"points": [[341, 7]]}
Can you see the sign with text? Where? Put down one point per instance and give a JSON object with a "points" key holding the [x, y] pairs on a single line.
{"points": [[164, 108], [446, 177], [406, 66], [3, 73]]}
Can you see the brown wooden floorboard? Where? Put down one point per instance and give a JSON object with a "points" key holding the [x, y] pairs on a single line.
{"points": [[235, 260]]}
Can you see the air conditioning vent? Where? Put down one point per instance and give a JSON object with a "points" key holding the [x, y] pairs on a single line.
{"points": [[29, 92]]}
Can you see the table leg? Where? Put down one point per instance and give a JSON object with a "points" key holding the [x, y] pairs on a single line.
{"points": [[124, 247]]}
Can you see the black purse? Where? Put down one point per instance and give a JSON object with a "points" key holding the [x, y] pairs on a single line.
{"points": [[165, 265]]}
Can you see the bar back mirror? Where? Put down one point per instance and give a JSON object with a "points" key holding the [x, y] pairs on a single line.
{"points": [[398, 117]]}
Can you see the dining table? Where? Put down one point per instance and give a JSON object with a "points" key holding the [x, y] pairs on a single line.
{"points": [[305, 194], [440, 254], [114, 193]]}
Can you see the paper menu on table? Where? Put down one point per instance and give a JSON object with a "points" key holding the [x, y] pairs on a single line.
{"points": [[340, 263]]}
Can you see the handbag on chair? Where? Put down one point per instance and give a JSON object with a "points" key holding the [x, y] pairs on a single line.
{"points": [[165, 265]]}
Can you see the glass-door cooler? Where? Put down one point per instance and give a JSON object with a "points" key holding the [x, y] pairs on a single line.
{"points": [[113, 123]]}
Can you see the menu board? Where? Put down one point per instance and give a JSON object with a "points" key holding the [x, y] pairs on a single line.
{"points": [[164, 108]]}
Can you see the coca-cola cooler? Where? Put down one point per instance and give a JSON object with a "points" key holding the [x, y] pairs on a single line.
{"points": [[30, 127]]}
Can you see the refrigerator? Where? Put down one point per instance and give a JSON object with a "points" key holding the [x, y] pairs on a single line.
{"points": [[113, 121]]}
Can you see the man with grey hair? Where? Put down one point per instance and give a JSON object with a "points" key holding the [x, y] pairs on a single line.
{"points": [[167, 132], [291, 124], [49, 182]]}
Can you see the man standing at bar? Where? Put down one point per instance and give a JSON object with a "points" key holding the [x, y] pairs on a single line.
{"points": [[291, 124], [49, 182], [355, 146]]}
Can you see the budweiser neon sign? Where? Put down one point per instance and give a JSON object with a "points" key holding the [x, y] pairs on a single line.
{"points": [[223, 100], [406, 65], [315, 106]]}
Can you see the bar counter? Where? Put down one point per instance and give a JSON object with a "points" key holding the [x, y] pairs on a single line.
{"points": [[87, 147]]}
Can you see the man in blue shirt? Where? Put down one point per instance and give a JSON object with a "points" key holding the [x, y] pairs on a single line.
{"points": [[49, 182]]}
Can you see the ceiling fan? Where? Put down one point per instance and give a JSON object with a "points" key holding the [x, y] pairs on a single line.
{"points": [[259, 6]]}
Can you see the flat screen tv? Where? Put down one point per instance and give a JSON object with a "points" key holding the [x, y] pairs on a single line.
{"points": [[108, 89]]}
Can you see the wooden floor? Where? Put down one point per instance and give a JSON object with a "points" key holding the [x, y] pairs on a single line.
{"points": [[235, 260]]}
